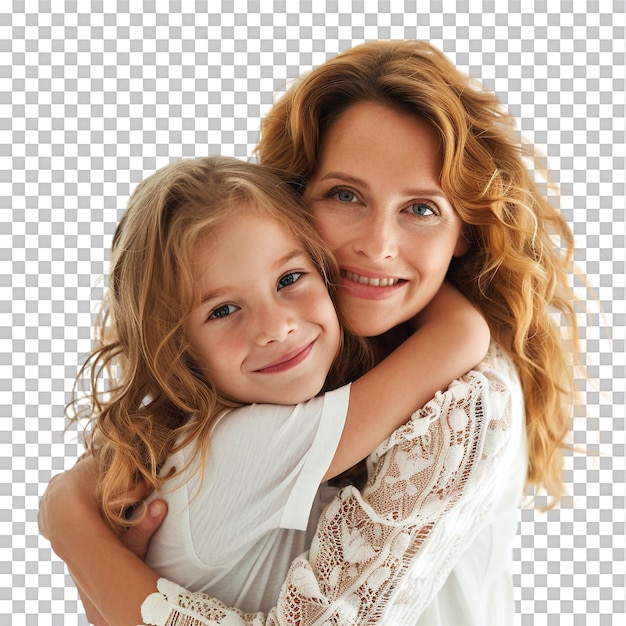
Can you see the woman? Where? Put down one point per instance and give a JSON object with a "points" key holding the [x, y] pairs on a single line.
{"points": [[429, 537]]}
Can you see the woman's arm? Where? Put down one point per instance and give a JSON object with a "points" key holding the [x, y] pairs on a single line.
{"points": [[451, 337], [136, 539], [112, 579]]}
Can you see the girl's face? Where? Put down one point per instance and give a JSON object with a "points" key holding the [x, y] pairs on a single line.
{"points": [[265, 329], [376, 200]]}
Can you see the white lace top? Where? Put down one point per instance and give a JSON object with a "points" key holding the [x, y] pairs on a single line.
{"points": [[437, 486]]}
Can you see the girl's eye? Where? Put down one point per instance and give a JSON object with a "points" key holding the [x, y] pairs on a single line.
{"points": [[289, 279], [343, 195], [224, 310], [421, 208]]}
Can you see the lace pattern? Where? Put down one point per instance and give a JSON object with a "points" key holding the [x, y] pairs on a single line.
{"points": [[431, 487]]}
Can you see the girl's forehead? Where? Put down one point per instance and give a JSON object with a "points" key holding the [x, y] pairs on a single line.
{"points": [[245, 251], [257, 215], [252, 223]]}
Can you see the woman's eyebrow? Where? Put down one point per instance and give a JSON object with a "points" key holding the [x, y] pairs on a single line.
{"points": [[359, 182], [346, 178]]}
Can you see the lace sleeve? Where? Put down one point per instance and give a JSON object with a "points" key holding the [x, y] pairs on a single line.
{"points": [[430, 487]]}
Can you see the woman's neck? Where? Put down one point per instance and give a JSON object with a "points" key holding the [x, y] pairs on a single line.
{"points": [[389, 341]]}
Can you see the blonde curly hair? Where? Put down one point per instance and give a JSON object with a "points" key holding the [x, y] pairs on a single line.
{"points": [[143, 380], [517, 269]]}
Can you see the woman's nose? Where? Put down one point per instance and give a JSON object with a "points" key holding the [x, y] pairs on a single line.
{"points": [[376, 237]]}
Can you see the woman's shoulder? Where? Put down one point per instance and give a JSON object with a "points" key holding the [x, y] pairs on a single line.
{"points": [[499, 361], [497, 375]]}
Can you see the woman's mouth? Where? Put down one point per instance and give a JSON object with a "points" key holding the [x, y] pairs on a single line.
{"points": [[370, 287], [367, 280]]}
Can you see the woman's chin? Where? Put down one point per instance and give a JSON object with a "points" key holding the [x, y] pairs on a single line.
{"points": [[370, 317], [368, 323]]}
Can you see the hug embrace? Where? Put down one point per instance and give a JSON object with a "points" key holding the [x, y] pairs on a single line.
{"points": [[338, 368]]}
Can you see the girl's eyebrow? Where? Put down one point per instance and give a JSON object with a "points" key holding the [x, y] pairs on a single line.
{"points": [[359, 182], [290, 256], [286, 258]]}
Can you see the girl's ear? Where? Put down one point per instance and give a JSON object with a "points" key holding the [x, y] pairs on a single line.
{"points": [[462, 243]]}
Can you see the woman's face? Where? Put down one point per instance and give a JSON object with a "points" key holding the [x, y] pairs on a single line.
{"points": [[376, 200]]}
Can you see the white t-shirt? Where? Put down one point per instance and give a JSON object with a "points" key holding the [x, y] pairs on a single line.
{"points": [[232, 530]]}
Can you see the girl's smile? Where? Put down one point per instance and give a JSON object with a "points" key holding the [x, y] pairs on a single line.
{"points": [[287, 361]]}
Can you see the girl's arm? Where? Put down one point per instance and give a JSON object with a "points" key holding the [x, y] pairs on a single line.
{"points": [[451, 338]]}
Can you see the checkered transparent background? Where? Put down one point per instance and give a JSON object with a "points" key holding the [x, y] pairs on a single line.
{"points": [[94, 97]]}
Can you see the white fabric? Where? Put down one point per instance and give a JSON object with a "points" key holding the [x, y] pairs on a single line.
{"points": [[427, 542], [233, 530]]}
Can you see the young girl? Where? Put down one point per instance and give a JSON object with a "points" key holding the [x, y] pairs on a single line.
{"points": [[218, 298]]}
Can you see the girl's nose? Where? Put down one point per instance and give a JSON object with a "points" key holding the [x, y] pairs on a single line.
{"points": [[274, 324]]}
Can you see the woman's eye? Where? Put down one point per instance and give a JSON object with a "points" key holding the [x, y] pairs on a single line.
{"points": [[289, 279], [421, 208], [224, 310], [343, 195]]}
